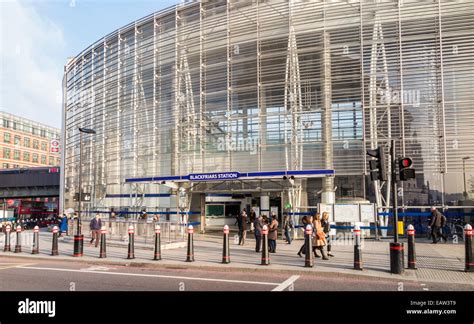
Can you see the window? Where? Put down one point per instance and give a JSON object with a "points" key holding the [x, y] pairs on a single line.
{"points": [[35, 144], [43, 133], [43, 146], [43, 159], [51, 160], [16, 155], [6, 137], [35, 158], [17, 140], [6, 153], [26, 156], [5, 165], [26, 142], [16, 166]]}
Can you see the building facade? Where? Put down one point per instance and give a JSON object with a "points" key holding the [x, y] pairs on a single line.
{"points": [[25, 143], [267, 86]]}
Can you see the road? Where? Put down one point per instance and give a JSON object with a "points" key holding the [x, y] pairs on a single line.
{"points": [[18, 274]]}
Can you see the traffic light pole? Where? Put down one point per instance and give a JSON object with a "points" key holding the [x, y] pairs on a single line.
{"points": [[396, 248]]}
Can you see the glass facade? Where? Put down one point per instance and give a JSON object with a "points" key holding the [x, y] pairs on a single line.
{"points": [[277, 85]]}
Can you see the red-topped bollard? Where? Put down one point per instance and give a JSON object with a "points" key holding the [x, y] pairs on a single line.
{"points": [[35, 249], [190, 254], [468, 233], [308, 245], [225, 251], [157, 243], [357, 249], [54, 250], [131, 242], [18, 239], [102, 253], [411, 247], [265, 254], [7, 247]]}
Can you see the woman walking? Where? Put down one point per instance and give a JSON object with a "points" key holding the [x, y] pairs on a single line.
{"points": [[319, 239], [326, 228], [273, 234], [306, 220]]}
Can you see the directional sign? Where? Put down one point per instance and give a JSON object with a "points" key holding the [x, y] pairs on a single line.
{"points": [[218, 176]]}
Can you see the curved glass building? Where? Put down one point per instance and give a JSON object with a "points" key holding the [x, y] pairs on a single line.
{"points": [[268, 86]]}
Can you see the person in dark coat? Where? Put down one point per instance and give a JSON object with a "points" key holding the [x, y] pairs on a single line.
{"points": [[438, 221], [326, 228], [306, 220], [288, 227], [63, 225], [273, 234], [242, 227], [258, 225], [95, 225]]}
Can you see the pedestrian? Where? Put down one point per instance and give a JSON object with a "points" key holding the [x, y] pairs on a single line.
{"points": [[306, 220], [273, 234], [242, 227], [319, 238], [63, 226], [252, 217], [438, 221], [288, 227], [326, 228], [258, 225], [95, 225]]}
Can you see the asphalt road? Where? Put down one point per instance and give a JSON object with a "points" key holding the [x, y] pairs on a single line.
{"points": [[17, 274]]}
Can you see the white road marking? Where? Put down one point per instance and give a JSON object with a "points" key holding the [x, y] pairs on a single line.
{"points": [[96, 268], [286, 283], [422, 284], [425, 289], [155, 276]]}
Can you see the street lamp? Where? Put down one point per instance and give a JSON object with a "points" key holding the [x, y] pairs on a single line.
{"points": [[79, 238], [464, 175]]}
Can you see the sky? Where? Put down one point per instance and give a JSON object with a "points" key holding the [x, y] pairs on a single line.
{"points": [[38, 36]]}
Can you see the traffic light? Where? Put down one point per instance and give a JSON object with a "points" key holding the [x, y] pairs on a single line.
{"points": [[405, 169], [377, 165]]}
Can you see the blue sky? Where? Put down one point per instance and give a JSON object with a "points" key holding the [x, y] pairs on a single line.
{"points": [[37, 37]]}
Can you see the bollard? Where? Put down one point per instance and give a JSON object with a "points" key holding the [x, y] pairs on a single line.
{"points": [[225, 251], [411, 247], [265, 254], [102, 253], [18, 239], [190, 256], [308, 245], [396, 257], [35, 249], [54, 250], [468, 233], [357, 249], [157, 243], [7, 247], [131, 242]]}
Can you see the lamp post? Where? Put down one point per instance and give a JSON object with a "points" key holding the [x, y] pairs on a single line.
{"points": [[79, 238], [464, 175]]}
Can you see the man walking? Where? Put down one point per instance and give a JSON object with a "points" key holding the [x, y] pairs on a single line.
{"points": [[258, 225], [243, 227], [96, 225], [438, 221]]}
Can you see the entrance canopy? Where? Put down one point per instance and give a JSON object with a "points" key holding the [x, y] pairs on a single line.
{"points": [[233, 176]]}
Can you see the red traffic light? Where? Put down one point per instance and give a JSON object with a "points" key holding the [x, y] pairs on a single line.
{"points": [[405, 162]]}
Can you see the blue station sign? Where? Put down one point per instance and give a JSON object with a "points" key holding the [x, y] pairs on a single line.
{"points": [[214, 176]]}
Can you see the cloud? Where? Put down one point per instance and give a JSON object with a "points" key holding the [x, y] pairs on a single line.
{"points": [[31, 69]]}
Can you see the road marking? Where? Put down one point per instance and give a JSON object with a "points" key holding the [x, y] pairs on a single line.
{"points": [[4, 266], [155, 276], [286, 283], [425, 289], [96, 268], [422, 284]]}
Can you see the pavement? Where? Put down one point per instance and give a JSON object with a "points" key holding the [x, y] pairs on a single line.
{"points": [[439, 265]]}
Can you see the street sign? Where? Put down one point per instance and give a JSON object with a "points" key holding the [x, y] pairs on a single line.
{"points": [[54, 146], [86, 196]]}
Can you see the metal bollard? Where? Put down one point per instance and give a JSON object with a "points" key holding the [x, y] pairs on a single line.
{"points": [[265, 254], [157, 243], [7, 247], [308, 245], [411, 247], [78, 241], [190, 254], [18, 239], [397, 252], [131, 242], [54, 250], [468, 233], [357, 249], [102, 253], [35, 249], [225, 251]]}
